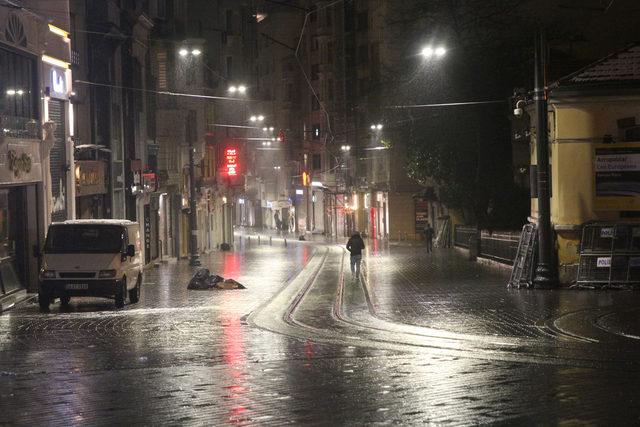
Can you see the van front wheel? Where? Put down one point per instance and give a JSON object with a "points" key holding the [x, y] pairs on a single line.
{"points": [[121, 294], [134, 294]]}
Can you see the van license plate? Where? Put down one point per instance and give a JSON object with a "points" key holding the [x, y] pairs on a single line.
{"points": [[77, 286]]}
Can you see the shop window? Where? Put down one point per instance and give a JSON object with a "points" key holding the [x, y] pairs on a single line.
{"points": [[317, 162], [17, 87]]}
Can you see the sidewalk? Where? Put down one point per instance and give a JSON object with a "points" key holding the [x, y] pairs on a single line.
{"points": [[444, 290]]}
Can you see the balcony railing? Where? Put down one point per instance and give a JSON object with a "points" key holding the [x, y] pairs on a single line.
{"points": [[20, 127]]}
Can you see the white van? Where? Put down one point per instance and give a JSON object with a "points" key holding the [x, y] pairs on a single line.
{"points": [[91, 258]]}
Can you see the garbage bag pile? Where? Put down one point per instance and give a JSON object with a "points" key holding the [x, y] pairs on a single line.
{"points": [[204, 280]]}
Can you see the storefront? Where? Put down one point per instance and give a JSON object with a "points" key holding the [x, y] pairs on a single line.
{"points": [[91, 187], [20, 229], [21, 171]]}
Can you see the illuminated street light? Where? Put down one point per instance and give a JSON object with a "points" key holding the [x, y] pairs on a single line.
{"points": [[183, 52], [232, 89], [242, 89], [345, 148], [260, 118], [253, 118], [377, 126], [429, 52], [196, 52], [276, 168], [271, 128], [265, 129]]}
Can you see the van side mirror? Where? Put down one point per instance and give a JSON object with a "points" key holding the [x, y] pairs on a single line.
{"points": [[131, 251]]}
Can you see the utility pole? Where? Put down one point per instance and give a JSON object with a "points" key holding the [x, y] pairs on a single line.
{"points": [[193, 213], [546, 276]]}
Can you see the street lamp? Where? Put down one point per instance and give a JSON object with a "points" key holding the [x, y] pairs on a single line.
{"points": [[377, 126], [345, 148], [241, 89], [259, 118], [193, 214], [429, 52]]}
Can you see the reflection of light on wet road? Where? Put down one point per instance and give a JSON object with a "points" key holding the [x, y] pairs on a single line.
{"points": [[234, 360], [232, 265]]}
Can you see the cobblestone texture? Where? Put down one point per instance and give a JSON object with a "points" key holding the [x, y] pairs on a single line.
{"points": [[311, 352]]}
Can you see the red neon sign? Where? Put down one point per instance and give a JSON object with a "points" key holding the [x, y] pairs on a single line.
{"points": [[231, 161]]}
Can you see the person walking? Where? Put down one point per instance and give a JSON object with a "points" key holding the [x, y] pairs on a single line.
{"points": [[276, 218], [428, 237], [355, 245]]}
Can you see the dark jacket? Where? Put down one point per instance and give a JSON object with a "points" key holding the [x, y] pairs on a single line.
{"points": [[355, 245]]}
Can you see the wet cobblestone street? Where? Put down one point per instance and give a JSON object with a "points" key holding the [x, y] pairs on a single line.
{"points": [[423, 338]]}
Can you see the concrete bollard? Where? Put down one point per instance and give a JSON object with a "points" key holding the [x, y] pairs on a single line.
{"points": [[285, 242], [269, 240], [258, 240], [249, 240]]}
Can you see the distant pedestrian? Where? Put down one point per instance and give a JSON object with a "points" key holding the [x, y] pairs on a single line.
{"points": [[428, 237], [276, 219], [355, 245]]}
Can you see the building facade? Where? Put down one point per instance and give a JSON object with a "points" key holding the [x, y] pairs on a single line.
{"points": [[36, 183]]}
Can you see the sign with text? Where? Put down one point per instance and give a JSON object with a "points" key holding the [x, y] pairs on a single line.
{"points": [[617, 177], [90, 177], [231, 166]]}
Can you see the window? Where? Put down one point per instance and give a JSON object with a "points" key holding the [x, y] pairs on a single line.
{"points": [[363, 54], [190, 76], [162, 9], [229, 67], [162, 70], [315, 131], [363, 20], [315, 104], [17, 87], [229, 20], [315, 71], [317, 162], [289, 95]]}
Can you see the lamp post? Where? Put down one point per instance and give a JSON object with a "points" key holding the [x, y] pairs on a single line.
{"points": [[190, 124], [545, 277]]}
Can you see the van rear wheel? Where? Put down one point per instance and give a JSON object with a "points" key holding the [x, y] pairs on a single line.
{"points": [[134, 294], [64, 300], [44, 300], [121, 294]]}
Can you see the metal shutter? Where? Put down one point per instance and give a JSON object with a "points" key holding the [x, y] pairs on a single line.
{"points": [[58, 161]]}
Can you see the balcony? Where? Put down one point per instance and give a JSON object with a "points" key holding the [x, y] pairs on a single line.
{"points": [[20, 127]]}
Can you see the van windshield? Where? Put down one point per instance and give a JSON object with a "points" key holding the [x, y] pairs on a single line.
{"points": [[89, 238]]}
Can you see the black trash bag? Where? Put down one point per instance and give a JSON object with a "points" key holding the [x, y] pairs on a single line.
{"points": [[199, 280], [213, 280], [204, 280]]}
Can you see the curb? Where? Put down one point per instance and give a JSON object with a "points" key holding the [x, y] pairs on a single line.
{"points": [[14, 299]]}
